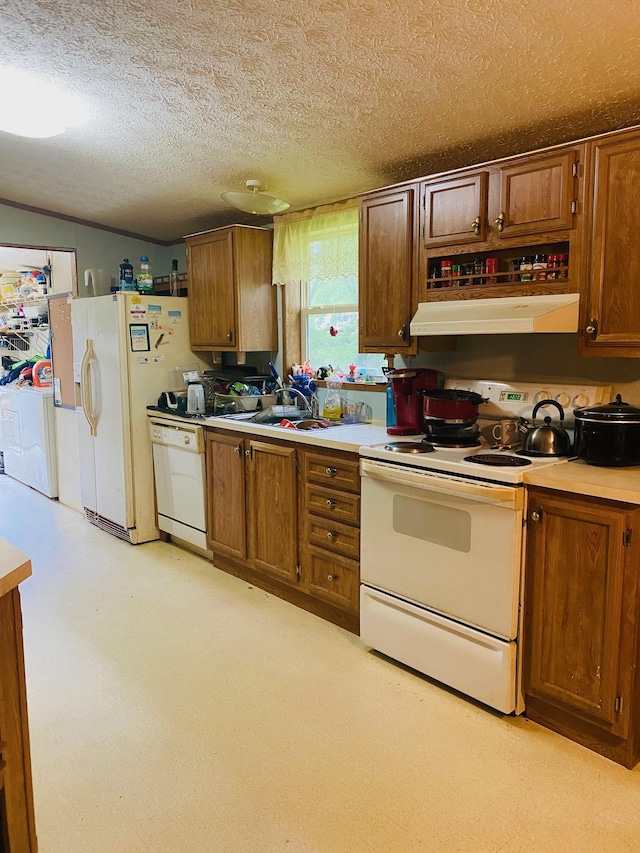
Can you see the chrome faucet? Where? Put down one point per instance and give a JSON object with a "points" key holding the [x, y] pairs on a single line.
{"points": [[310, 406]]}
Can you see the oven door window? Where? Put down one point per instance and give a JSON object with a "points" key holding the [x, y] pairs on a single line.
{"points": [[432, 522]]}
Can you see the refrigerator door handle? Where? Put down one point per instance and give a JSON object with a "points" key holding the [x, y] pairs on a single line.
{"points": [[87, 395]]}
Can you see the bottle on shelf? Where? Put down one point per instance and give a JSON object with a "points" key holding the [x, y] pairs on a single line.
{"points": [[174, 289], [144, 279], [126, 276]]}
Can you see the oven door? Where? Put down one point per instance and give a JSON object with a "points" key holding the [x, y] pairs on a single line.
{"points": [[444, 543]]}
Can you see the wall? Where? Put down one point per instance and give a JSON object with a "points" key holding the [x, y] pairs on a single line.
{"points": [[95, 248]]}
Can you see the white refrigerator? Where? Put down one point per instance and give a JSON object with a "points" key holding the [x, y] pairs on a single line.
{"points": [[127, 349]]}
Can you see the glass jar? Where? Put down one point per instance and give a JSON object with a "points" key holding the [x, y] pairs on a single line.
{"points": [[539, 267], [526, 268]]}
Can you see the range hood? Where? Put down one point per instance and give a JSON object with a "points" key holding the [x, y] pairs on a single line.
{"points": [[500, 316]]}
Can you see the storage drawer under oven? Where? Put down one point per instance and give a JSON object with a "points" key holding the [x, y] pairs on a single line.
{"points": [[334, 537], [340, 506]]}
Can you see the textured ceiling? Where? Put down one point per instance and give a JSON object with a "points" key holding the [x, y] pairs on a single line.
{"points": [[320, 99]]}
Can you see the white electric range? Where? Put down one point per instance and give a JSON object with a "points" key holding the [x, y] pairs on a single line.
{"points": [[442, 546]]}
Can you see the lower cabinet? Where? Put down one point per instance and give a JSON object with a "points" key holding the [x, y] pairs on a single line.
{"points": [[288, 520], [581, 640], [17, 823]]}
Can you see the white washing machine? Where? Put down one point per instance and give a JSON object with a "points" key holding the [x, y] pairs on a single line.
{"points": [[29, 438]]}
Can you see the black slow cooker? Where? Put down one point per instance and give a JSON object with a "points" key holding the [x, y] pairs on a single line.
{"points": [[608, 435]]}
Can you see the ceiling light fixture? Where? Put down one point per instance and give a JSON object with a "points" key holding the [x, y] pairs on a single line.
{"points": [[253, 200], [34, 108]]}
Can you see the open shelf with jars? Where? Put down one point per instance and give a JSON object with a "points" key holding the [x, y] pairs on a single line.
{"points": [[521, 271]]}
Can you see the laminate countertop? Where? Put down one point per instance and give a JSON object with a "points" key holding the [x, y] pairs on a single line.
{"points": [[616, 484], [346, 437], [14, 567]]}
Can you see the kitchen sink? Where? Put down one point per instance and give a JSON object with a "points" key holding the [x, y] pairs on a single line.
{"points": [[300, 423]]}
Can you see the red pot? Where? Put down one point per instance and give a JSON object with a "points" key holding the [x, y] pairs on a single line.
{"points": [[451, 404]]}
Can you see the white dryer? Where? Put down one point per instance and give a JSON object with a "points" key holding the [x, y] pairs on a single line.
{"points": [[29, 438]]}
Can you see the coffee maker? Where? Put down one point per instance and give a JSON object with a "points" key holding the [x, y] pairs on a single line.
{"points": [[405, 381]]}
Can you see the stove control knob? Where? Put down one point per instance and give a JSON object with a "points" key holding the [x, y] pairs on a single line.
{"points": [[581, 400], [564, 399], [542, 395]]}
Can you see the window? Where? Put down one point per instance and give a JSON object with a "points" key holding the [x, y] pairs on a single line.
{"points": [[318, 251]]}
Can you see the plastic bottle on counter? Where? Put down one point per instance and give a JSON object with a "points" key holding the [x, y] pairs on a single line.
{"points": [[126, 276], [144, 279], [391, 407], [174, 289]]}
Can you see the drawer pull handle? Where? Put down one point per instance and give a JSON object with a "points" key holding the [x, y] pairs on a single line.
{"points": [[332, 577], [331, 503], [331, 471], [332, 535]]}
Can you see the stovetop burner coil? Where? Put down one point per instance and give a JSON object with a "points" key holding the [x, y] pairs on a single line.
{"points": [[499, 460]]}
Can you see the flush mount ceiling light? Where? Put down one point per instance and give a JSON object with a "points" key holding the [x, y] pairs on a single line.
{"points": [[253, 200], [33, 107]]}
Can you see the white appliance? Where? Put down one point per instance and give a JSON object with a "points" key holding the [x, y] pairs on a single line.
{"points": [[127, 349], [178, 465], [499, 316], [442, 550], [29, 437]]}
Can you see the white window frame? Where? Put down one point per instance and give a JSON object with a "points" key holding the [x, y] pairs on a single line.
{"points": [[307, 311]]}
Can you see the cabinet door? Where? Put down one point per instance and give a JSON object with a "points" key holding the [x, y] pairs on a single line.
{"points": [[536, 195], [611, 319], [273, 509], [574, 622], [226, 509], [387, 262], [212, 294], [455, 210]]}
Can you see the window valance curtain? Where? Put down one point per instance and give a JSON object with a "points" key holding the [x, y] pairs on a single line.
{"points": [[316, 244]]}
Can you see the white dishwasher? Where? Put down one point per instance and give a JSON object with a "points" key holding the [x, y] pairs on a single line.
{"points": [[179, 471]]}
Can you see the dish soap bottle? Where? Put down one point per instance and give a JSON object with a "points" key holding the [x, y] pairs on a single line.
{"points": [[126, 276], [144, 279], [332, 409]]}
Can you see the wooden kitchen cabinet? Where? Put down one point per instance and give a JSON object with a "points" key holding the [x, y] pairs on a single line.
{"points": [[581, 619], [610, 315], [524, 206], [226, 504], [232, 303], [273, 509], [287, 519], [387, 269], [455, 210], [17, 821]]}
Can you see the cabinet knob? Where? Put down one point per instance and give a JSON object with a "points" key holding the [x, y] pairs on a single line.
{"points": [[332, 577], [237, 449], [331, 503], [229, 336], [331, 471], [536, 515], [500, 222], [592, 329], [187, 439], [402, 332], [332, 535], [475, 225]]}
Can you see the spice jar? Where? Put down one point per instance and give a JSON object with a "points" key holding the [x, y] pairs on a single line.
{"points": [[526, 268], [552, 263], [446, 270], [434, 273], [539, 267], [563, 266], [478, 269], [515, 270], [491, 267]]}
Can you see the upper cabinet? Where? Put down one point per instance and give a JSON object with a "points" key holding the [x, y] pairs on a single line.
{"points": [[610, 315], [455, 210], [232, 303], [387, 269], [480, 227]]}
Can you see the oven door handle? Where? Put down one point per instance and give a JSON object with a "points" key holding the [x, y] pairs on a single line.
{"points": [[456, 488]]}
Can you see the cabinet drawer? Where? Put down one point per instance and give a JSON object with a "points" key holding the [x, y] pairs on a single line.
{"points": [[336, 473], [334, 537], [333, 504], [334, 578]]}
